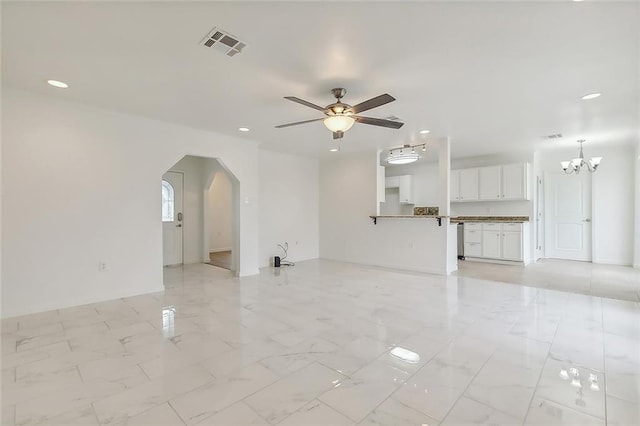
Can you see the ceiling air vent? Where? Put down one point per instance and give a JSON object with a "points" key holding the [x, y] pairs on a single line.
{"points": [[224, 42], [553, 136]]}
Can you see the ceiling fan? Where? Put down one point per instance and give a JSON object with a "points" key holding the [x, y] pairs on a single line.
{"points": [[340, 116]]}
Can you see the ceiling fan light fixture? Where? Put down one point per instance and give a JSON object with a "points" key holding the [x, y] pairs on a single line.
{"points": [[339, 123]]}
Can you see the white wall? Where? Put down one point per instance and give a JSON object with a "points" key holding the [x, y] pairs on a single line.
{"points": [[81, 185], [289, 206], [391, 204], [636, 259], [348, 195], [220, 215], [612, 195]]}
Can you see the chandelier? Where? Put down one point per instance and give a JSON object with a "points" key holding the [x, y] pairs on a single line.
{"points": [[577, 163], [405, 155]]}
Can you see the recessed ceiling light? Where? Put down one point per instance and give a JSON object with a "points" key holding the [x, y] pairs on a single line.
{"points": [[577, 1], [56, 83], [591, 96], [424, 132], [243, 129], [334, 150]]}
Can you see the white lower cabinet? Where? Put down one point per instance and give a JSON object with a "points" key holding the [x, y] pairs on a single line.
{"points": [[473, 249], [512, 245], [491, 244], [499, 241]]}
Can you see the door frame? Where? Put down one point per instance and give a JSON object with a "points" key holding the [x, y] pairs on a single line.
{"points": [[181, 233]]}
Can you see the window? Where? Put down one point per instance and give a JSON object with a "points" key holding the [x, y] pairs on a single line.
{"points": [[167, 201]]}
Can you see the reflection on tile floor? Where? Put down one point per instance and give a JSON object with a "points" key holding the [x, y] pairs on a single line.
{"points": [[612, 281], [327, 343]]}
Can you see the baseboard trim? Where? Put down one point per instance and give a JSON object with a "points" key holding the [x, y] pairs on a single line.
{"points": [[496, 261], [612, 262], [216, 250], [400, 268]]}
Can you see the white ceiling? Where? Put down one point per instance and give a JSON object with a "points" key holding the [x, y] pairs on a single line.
{"points": [[492, 76]]}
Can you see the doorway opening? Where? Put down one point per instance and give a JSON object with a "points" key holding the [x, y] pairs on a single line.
{"points": [[219, 218], [201, 214]]}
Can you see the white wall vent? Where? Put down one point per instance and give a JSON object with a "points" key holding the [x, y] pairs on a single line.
{"points": [[553, 136], [224, 42]]}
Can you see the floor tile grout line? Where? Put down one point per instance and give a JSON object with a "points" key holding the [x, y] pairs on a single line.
{"points": [[177, 414], [408, 378], [467, 387]]}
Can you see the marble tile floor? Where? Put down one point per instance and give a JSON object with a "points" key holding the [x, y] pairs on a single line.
{"points": [[326, 343], [612, 281]]}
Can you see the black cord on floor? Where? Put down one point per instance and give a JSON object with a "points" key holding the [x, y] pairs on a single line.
{"points": [[284, 249]]}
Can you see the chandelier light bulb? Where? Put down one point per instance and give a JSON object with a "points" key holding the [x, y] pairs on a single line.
{"points": [[576, 164]]}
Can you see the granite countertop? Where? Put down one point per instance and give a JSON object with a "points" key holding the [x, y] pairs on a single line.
{"points": [[410, 216], [457, 219]]}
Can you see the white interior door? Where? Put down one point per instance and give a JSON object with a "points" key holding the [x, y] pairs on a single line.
{"points": [[568, 216], [172, 218]]}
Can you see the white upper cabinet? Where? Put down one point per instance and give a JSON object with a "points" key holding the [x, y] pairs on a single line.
{"points": [[494, 183], [514, 182], [490, 183], [405, 187], [468, 185], [464, 185], [392, 182], [454, 193]]}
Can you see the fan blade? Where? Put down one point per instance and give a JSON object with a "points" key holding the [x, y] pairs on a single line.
{"points": [[298, 122], [338, 135], [305, 103], [372, 103], [379, 122]]}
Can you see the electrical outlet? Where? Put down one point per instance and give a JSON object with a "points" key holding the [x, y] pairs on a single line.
{"points": [[412, 245], [102, 266]]}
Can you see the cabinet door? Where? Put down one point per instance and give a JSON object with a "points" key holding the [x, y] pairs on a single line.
{"points": [[514, 182], [468, 184], [391, 182], [491, 244], [490, 183], [472, 236], [406, 189], [472, 249], [453, 189], [512, 245]]}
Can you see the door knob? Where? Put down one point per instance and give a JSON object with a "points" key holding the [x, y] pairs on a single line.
{"points": [[179, 225], [586, 220]]}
